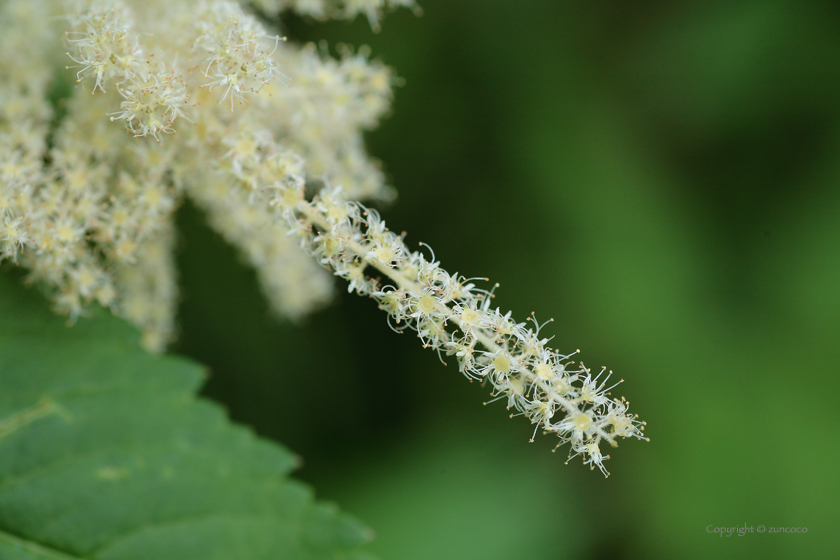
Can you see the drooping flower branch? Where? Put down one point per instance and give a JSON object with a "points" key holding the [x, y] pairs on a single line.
{"points": [[453, 316], [449, 313], [88, 209]]}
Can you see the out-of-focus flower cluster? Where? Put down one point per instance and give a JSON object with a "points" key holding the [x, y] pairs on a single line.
{"points": [[170, 99], [336, 9], [202, 100]]}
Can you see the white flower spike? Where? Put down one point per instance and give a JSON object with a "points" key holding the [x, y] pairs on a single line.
{"points": [[87, 199]]}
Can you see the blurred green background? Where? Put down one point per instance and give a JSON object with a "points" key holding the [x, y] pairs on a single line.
{"points": [[663, 178]]}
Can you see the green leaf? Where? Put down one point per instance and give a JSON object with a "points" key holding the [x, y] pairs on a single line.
{"points": [[106, 453]]}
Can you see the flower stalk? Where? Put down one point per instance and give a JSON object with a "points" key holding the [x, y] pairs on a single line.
{"points": [[87, 200], [457, 318]]}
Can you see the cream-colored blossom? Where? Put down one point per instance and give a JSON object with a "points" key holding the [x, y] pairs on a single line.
{"points": [[169, 75], [205, 101]]}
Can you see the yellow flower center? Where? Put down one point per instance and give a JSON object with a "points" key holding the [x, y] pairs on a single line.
{"points": [[544, 371], [426, 304], [501, 364], [469, 316], [582, 422]]}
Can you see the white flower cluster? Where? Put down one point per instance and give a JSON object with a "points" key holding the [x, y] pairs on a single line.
{"points": [[336, 9], [454, 317], [88, 209], [448, 312], [89, 185]]}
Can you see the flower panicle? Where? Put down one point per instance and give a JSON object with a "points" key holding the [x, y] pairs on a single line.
{"points": [[81, 201], [451, 315], [88, 209]]}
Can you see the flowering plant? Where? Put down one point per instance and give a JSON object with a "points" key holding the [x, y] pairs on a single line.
{"points": [[207, 101]]}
